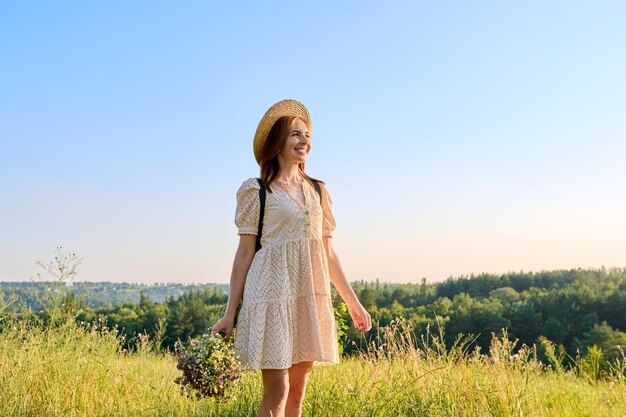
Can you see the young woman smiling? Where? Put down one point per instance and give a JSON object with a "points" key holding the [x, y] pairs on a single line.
{"points": [[286, 323]]}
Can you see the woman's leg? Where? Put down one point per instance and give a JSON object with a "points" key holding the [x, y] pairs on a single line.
{"points": [[275, 392], [298, 376]]}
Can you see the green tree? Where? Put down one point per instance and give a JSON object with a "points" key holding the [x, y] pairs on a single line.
{"points": [[606, 338], [554, 331]]}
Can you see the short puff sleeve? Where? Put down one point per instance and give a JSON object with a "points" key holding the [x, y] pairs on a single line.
{"points": [[328, 223], [248, 207]]}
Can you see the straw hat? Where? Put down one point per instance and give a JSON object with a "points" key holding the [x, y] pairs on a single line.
{"points": [[278, 110]]}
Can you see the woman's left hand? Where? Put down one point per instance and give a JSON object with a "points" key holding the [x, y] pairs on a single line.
{"points": [[360, 317]]}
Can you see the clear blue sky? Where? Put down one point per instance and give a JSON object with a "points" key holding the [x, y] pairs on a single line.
{"points": [[454, 137]]}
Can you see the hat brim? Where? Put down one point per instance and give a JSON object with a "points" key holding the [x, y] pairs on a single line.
{"points": [[282, 108]]}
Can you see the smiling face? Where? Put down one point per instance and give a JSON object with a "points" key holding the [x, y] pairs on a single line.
{"points": [[298, 143]]}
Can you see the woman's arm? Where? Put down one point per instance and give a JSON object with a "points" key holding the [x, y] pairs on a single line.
{"points": [[241, 264], [360, 316]]}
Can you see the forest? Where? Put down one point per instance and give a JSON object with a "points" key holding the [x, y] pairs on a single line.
{"points": [[575, 309]]}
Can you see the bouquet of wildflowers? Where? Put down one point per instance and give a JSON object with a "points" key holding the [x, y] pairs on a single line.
{"points": [[209, 365]]}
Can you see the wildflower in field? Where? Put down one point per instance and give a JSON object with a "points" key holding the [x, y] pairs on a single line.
{"points": [[209, 366]]}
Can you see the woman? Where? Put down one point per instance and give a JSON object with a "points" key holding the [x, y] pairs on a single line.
{"points": [[286, 321]]}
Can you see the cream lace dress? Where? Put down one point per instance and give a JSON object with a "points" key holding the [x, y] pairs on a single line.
{"points": [[286, 315]]}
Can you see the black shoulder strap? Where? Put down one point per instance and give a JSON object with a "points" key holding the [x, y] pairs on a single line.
{"points": [[261, 214], [318, 189]]}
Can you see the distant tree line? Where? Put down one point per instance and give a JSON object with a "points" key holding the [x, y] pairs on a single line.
{"points": [[96, 294], [575, 309]]}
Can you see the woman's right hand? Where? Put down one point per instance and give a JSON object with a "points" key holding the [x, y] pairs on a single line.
{"points": [[360, 317], [225, 326]]}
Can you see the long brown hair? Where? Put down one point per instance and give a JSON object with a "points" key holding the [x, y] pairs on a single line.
{"points": [[275, 142]]}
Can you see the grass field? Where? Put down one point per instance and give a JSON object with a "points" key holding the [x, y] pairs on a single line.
{"points": [[73, 370]]}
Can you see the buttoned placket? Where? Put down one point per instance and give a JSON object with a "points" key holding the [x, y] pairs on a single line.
{"points": [[307, 214], [308, 217], [305, 209]]}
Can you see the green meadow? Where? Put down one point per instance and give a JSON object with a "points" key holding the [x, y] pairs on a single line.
{"points": [[65, 368]]}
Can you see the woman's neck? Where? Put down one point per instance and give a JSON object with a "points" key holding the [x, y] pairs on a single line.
{"points": [[288, 172]]}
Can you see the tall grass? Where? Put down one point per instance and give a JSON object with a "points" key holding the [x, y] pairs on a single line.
{"points": [[73, 369], [405, 376]]}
